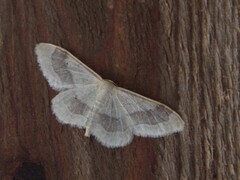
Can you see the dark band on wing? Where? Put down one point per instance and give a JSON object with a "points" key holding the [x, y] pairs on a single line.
{"points": [[112, 124], [59, 63], [152, 116], [109, 123]]}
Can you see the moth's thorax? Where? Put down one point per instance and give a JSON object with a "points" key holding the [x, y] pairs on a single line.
{"points": [[108, 84], [105, 89], [110, 81]]}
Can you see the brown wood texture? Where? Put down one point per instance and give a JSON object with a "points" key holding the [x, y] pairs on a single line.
{"points": [[182, 53]]}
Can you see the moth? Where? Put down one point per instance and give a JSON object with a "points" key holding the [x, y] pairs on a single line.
{"points": [[112, 114]]}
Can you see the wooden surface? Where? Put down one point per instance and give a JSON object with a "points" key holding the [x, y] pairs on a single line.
{"points": [[182, 53]]}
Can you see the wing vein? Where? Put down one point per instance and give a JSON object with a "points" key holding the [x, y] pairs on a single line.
{"points": [[141, 109], [118, 114], [127, 114]]}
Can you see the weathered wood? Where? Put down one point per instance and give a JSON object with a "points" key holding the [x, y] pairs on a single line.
{"points": [[182, 53]]}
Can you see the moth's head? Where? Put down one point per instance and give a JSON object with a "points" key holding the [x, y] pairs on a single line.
{"points": [[110, 81]]}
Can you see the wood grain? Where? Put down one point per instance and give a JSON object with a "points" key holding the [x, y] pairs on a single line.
{"points": [[182, 53]]}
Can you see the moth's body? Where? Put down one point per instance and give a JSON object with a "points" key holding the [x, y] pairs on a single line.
{"points": [[112, 114], [106, 88]]}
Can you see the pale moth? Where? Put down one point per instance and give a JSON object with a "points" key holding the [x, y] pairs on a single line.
{"points": [[112, 114]]}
